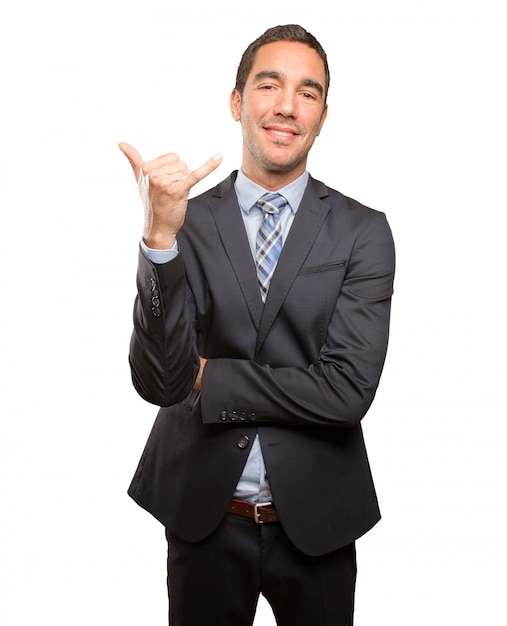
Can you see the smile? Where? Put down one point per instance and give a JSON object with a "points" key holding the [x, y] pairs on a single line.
{"points": [[282, 133]]}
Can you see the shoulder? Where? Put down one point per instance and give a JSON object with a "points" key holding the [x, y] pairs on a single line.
{"points": [[341, 206], [222, 191]]}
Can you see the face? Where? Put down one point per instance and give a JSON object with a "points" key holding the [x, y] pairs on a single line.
{"points": [[282, 111]]}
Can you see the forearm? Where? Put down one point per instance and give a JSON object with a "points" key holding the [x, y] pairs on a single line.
{"points": [[163, 359], [336, 390], [327, 393]]}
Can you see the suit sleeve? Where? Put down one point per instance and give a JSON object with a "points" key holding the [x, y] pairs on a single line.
{"points": [[338, 388], [163, 359]]}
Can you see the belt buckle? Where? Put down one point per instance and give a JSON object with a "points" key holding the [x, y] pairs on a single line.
{"points": [[256, 512]]}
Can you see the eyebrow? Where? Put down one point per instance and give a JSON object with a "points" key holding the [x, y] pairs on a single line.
{"points": [[307, 82]]}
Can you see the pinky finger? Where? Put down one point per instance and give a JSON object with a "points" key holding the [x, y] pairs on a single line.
{"points": [[201, 172]]}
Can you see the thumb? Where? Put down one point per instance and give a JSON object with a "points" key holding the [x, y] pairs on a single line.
{"points": [[133, 156]]}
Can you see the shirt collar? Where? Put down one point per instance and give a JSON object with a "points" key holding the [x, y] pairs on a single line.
{"points": [[249, 192]]}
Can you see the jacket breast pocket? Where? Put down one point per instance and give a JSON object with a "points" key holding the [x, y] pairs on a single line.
{"points": [[326, 267], [309, 305]]}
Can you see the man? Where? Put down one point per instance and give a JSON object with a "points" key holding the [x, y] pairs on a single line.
{"points": [[256, 463]]}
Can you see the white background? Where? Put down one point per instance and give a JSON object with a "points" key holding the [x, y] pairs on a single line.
{"points": [[416, 128]]}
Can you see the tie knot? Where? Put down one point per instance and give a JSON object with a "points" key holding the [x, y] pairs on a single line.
{"points": [[272, 203]]}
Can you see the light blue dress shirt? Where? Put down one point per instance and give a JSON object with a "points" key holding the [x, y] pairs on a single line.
{"points": [[253, 485]]}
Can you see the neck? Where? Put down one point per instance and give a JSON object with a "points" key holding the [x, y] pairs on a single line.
{"points": [[272, 180]]}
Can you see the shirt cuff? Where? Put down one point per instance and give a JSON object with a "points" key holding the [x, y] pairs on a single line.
{"points": [[159, 256]]}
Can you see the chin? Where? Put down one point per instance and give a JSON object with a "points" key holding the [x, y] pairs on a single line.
{"points": [[282, 165]]}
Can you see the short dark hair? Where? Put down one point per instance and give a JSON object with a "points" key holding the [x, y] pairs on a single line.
{"points": [[288, 32]]}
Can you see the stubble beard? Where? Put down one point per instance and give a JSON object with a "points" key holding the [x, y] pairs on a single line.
{"points": [[270, 164], [260, 155], [265, 160]]}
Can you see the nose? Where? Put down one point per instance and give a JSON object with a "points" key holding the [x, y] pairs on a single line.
{"points": [[286, 104]]}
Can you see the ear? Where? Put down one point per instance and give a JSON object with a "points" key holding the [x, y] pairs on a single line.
{"points": [[322, 119], [235, 103]]}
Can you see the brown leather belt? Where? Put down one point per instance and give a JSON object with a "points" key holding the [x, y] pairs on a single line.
{"points": [[261, 513]]}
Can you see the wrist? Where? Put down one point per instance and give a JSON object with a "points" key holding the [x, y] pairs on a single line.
{"points": [[159, 241]]}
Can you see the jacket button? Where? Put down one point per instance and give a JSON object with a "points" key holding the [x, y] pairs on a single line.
{"points": [[243, 442], [156, 311], [224, 416]]}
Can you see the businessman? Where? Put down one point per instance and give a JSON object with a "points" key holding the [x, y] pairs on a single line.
{"points": [[260, 329]]}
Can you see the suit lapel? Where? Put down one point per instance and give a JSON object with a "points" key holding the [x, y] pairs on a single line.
{"points": [[308, 221], [227, 215]]}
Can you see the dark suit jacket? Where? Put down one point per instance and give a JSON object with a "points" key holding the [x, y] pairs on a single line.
{"points": [[300, 371]]}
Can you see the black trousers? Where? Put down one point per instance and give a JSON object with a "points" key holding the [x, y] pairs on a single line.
{"points": [[217, 581]]}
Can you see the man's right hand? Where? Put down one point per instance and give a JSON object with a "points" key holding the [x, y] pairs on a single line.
{"points": [[169, 184]]}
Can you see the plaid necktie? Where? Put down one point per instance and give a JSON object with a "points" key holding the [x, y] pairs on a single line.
{"points": [[269, 239]]}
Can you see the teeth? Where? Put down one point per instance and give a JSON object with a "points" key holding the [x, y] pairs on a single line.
{"points": [[281, 132]]}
